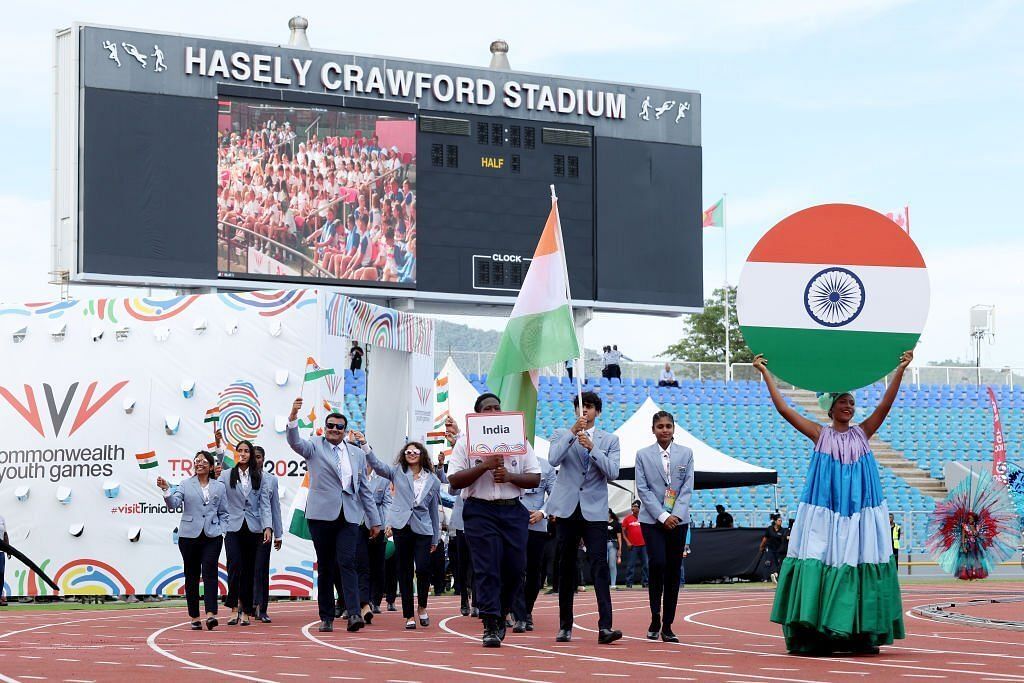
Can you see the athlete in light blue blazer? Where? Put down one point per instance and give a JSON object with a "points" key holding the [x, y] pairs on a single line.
{"points": [[337, 503], [535, 501], [204, 517], [250, 523], [664, 484], [414, 522], [587, 459], [261, 583]]}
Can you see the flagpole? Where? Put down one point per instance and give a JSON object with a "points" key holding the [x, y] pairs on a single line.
{"points": [[568, 298], [725, 292]]}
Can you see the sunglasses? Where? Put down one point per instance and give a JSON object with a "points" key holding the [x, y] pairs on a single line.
{"points": [[412, 451], [335, 425]]}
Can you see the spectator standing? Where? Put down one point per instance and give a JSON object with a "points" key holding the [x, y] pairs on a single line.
{"points": [[633, 539], [568, 369], [771, 546], [614, 357], [3, 561], [897, 533], [355, 355], [724, 519], [614, 548]]}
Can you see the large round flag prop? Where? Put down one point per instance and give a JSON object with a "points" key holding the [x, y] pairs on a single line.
{"points": [[240, 416], [832, 296]]}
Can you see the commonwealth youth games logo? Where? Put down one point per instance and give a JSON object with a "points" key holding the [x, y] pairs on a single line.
{"points": [[87, 407]]}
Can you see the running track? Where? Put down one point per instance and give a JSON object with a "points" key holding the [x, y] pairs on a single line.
{"points": [[725, 634]]}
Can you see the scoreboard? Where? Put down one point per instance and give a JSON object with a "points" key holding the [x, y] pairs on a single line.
{"points": [[196, 162]]}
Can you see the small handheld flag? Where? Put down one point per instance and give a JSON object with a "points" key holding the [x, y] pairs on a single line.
{"points": [[434, 438], [314, 371], [147, 460], [212, 415]]}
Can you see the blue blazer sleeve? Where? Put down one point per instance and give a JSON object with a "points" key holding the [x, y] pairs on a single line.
{"points": [[432, 503], [366, 498], [381, 468], [266, 516], [174, 497], [682, 507], [222, 505], [560, 443], [303, 447], [275, 508]]}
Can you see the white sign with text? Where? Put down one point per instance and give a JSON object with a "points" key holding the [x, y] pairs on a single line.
{"points": [[496, 433]]}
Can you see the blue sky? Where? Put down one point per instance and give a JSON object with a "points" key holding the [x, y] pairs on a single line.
{"points": [[876, 102]]}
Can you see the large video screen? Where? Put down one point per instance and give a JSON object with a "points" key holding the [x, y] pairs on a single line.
{"points": [[315, 193]]}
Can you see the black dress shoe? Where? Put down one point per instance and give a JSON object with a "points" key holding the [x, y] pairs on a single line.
{"points": [[264, 618], [211, 623], [424, 621], [529, 622], [368, 615], [233, 621], [375, 609], [668, 636], [391, 607], [607, 635], [326, 626], [508, 621], [355, 623], [464, 611], [502, 630], [475, 613], [564, 635], [652, 630], [519, 627], [339, 612], [490, 637], [197, 626]]}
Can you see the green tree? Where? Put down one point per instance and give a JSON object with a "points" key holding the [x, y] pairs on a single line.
{"points": [[704, 334]]}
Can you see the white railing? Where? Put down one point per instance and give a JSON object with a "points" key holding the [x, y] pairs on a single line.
{"points": [[479, 362]]}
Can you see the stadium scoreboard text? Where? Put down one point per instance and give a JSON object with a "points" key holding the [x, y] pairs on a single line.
{"points": [[186, 161]]}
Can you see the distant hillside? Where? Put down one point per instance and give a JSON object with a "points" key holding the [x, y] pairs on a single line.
{"points": [[464, 338]]}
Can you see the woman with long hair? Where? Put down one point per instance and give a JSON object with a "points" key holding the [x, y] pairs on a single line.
{"points": [[413, 522], [204, 518], [838, 590], [250, 523]]}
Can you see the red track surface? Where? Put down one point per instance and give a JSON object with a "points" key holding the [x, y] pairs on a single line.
{"points": [[725, 634]]}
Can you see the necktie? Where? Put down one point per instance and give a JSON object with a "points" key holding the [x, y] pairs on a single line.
{"points": [[585, 455], [346, 481]]}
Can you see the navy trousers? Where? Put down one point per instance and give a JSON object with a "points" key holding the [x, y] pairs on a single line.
{"points": [[527, 597], [664, 550], [336, 544], [497, 536]]}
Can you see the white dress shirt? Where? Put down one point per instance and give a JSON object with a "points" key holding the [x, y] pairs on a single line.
{"points": [[419, 482], [665, 464], [344, 465], [245, 480], [485, 487]]}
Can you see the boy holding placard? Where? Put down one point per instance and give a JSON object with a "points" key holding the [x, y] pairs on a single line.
{"points": [[495, 522]]}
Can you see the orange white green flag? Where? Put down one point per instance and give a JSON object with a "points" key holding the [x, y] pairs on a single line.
{"points": [[540, 331]]}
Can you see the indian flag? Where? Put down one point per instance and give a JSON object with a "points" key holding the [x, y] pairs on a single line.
{"points": [[147, 460], [540, 331], [832, 296], [298, 524], [434, 438], [314, 371], [441, 390], [213, 414]]}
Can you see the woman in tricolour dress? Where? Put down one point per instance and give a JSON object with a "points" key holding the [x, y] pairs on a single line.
{"points": [[838, 587]]}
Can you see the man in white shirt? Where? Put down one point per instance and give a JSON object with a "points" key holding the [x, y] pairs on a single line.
{"points": [[496, 523]]}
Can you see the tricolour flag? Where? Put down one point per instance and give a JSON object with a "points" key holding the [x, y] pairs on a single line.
{"points": [[434, 438], [441, 390], [539, 331], [298, 524], [714, 217], [213, 414], [833, 304], [147, 460], [314, 371]]}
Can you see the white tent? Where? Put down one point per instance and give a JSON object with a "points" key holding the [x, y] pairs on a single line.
{"points": [[461, 397], [714, 469]]}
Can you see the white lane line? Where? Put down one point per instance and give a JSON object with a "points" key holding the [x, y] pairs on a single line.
{"points": [[594, 658], [151, 642], [8, 679], [439, 667]]}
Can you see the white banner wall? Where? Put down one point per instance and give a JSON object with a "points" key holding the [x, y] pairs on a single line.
{"points": [[85, 386]]}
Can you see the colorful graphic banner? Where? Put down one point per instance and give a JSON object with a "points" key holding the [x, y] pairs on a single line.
{"points": [[998, 444]]}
